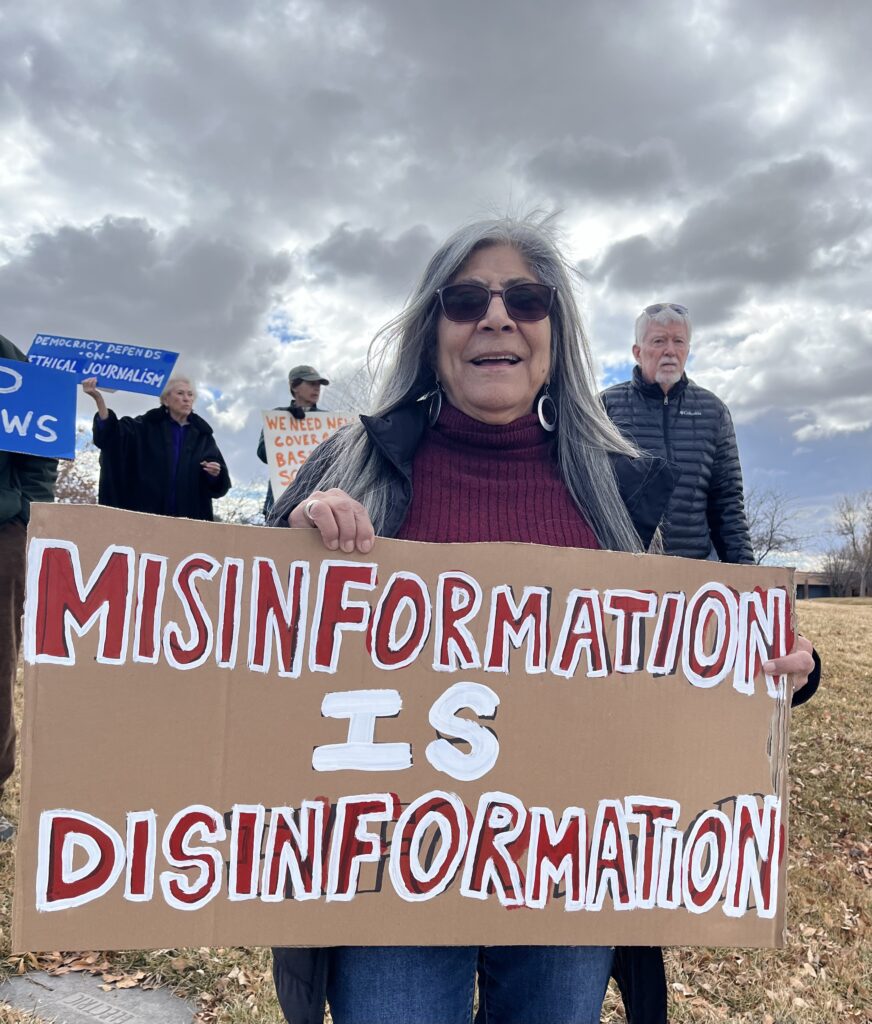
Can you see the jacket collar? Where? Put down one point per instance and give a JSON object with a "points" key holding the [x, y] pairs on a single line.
{"points": [[160, 415], [398, 433], [654, 390]]}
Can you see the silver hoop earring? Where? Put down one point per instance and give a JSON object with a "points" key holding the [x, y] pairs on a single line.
{"points": [[435, 405], [546, 410]]}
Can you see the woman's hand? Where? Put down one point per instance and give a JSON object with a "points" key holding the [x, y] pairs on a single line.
{"points": [[796, 666], [342, 522], [212, 468], [89, 386]]}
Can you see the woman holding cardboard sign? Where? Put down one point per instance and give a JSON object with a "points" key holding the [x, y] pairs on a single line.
{"points": [[305, 385], [165, 462], [487, 428]]}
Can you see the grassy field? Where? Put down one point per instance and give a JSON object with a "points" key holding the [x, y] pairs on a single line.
{"points": [[824, 976]]}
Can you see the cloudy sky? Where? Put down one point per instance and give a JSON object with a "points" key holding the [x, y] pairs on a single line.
{"points": [[258, 184]]}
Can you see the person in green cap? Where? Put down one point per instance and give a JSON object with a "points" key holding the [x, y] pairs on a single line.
{"points": [[305, 384]]}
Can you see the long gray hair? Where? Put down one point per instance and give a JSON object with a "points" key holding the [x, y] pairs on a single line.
{"points": [[402, 359]]}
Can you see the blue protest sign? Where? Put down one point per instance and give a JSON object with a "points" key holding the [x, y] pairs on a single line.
{"points": [[37, 410], [121, 367]]}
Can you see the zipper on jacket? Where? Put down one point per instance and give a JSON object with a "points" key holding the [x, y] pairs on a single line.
{"points": [[666, 428]]}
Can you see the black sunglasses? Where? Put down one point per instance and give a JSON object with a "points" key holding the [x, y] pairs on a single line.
{"points": [[658, 306], [527, 301]]}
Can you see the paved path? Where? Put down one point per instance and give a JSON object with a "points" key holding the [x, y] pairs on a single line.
{"points": [[78, 999]]}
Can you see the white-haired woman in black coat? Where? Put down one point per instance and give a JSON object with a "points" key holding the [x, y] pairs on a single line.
{"points": [[165, 462]]}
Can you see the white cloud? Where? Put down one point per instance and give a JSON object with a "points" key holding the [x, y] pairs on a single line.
{"points": [[260, 184], [813, 366]]}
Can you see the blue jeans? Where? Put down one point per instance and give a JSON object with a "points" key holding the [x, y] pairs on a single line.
{"points": [[436, 984]]}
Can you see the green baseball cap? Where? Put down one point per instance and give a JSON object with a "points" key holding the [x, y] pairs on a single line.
{"points": [[308, 373]]}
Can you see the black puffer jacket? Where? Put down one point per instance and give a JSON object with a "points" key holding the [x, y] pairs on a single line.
{"points": [[693, 430], [136, 465]]}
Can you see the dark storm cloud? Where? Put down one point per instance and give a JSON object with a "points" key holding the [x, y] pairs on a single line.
{"points": [[159, 158], [286, 115], [394, 263], [588, 168], [813, 367], [293, 114], [254, 112], [122, 280], [796, 218]]}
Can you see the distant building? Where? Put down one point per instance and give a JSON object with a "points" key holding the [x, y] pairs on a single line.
{"points": [[810, 585]]}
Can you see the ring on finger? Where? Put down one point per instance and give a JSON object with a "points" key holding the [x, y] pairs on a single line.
{"points": [[307, 510]]}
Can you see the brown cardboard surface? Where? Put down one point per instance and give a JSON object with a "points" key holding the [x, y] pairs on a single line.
{"points": [[289, 441], [133, 743]]}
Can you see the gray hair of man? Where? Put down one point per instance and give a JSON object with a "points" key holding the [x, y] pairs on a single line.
{"points": [[667, 315], [402, 358], [174, 382]]}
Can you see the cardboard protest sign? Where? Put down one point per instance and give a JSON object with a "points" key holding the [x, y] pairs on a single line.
{"points": [[138, 368], [37, 410], [289, 441], [235, 737]]}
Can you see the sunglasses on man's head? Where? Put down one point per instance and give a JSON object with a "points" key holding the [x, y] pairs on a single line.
{"points": [[660, 306], [527, 301]]}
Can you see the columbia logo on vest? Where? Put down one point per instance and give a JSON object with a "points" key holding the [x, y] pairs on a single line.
{"points": [[690, 412]]}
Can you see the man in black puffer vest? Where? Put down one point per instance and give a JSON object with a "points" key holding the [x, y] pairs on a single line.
{"points": [[666, 414]]}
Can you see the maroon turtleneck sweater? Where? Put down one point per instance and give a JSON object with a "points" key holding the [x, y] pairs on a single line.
{"points": [[474, 481]]}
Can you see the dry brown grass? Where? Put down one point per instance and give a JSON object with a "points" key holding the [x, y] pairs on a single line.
{"points": [[8, 1015], [823, 976]]}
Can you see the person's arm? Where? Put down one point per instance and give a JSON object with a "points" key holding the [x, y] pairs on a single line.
{"points": [[105, 421], [802, 668], [106, 432], [36, 478], [805, 691], [90, 388], [728, 524]]}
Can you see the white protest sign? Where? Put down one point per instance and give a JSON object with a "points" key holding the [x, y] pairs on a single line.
{"points": [[289, 441]]}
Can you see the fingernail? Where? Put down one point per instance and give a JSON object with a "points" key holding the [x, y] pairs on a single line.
{"points": [[348, 545], [333, 545], [365, 545]]}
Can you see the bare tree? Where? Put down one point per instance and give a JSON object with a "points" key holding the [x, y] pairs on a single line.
{"points": [[854, 525], [242, 504], [836, 567], [351, 392], [773, 522], [77, 478]]}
